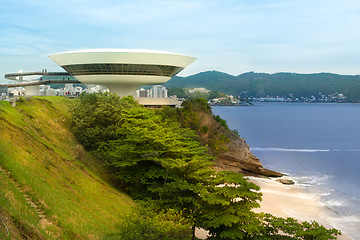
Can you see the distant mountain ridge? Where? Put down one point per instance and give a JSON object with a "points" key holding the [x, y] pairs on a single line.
{"points": [[278, 84]]}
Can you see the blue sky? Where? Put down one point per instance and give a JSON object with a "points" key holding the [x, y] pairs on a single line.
{"points": [[233, 36]]}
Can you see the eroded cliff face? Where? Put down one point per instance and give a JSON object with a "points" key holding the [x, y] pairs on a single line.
{"points": [[238, 158], [230, 151]]}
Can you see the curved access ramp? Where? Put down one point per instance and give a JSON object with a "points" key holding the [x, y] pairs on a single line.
{"points": [[39, 80], [14, 76]]}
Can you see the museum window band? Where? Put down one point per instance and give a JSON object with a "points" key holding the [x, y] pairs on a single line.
{"points": [[122, 69]]}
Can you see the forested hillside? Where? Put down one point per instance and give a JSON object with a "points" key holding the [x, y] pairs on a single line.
{"points": [[279, 84], [157, 157]]}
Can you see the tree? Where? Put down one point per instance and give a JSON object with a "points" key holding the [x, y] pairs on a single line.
{"points": [[288, 228], [160, 161], [226, 209], [151, 152], [96, 117]]}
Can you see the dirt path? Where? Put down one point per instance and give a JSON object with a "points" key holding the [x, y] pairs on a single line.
{"points": [[26, 190]]}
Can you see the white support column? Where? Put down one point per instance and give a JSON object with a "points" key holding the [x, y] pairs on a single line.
{"points": [[32, 90]]}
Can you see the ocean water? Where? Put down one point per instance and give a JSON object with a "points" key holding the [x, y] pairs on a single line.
{"points": [[317, 145]]}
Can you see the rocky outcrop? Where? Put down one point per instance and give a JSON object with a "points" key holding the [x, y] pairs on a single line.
{"points": [[230, 151], [286, 181], [240, 159]]}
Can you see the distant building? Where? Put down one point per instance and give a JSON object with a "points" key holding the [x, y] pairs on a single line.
{"points": [[201, 90], [16, 91], [92, 88], [69, 89], [78, 91], [156, 97], [3, 92], [3, 89], [158, 91], [143, 92]]}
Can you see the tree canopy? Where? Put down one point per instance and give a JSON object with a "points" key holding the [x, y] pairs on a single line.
{"points": [[158, 160]]}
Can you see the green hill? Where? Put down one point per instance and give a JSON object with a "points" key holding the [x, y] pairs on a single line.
{"points": [[279, 84], [50, 188]]}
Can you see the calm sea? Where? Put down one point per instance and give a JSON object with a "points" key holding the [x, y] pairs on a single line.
{"points": [[318, 145]]}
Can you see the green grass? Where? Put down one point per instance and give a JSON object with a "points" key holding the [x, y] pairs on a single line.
{"points": [[39, 150], [14, 206]]}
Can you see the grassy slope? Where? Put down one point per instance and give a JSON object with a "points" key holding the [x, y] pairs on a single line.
{"points": [[39, 153]]}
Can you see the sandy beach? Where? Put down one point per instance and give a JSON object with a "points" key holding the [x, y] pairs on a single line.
{"points": [[292, 201]]}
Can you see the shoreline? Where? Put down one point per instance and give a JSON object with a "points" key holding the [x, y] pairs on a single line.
{"points": [[293, 201]]}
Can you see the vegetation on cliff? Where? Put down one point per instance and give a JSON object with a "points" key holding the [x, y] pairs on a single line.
{"points": [[229, 150], [158, 159]]}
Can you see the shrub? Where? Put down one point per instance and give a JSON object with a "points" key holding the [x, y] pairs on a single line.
{"points": [[221, 121], [149, 225], [204, 129]]}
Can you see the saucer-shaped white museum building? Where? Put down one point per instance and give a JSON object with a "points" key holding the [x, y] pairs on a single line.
{"points": [[122, 70]]}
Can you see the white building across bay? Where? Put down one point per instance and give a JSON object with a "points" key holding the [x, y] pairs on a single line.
{"points": [[157, 91]]}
